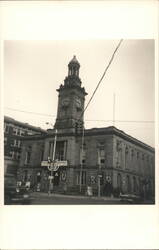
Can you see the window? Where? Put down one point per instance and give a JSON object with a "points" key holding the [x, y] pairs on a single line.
{"points": [[18, 132], [119, 145], [12, 142], [119, 181], [151, 166], [134, 184], [18, 156], [16, 143], [5, 141], [101, 143], [50, 149], [126, 157], [27, 157], [22, 132], [13, 154], [81, 177], [60, 150], [143, 157], [60, 153], [101, 156], [14, 130], [128, 184], [83, 156], [19, 144], [42, 153], [132, 153], [6, 128], [126, 150]]}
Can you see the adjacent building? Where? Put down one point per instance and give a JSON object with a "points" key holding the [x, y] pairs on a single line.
{"points": [[105, 157], [14, 132]]}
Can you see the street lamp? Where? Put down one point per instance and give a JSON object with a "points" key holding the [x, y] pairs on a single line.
{"points": [[53, 155]]}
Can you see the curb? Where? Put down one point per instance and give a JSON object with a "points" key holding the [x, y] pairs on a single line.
{"points": [[75, 197]]}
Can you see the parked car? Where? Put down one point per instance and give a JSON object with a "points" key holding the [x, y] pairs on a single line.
{"points": [[130, 198], [14, 194]]}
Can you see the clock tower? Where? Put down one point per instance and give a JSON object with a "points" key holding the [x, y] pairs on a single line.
{"points": [[71, 99]]}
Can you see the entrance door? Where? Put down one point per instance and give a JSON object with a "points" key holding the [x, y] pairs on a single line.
{"points": [[56, 178]]}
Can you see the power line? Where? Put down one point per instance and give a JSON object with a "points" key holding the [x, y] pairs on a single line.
{"points": [[113, 109], [29, 112], [121, 121], [112, 57], [88, 120]]}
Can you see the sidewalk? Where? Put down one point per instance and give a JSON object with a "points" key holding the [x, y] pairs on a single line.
{"points": [[42, 194]]}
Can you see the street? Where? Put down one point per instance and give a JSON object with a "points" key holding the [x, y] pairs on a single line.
{"points": [[56, 199], [39, 198]]}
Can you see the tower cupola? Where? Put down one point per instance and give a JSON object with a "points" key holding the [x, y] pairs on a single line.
{"points": [[73, 73], [73, 67]]}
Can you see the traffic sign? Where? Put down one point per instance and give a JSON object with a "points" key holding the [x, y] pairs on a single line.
{"points": [[56, 163], [45, 163], [61, 163]]}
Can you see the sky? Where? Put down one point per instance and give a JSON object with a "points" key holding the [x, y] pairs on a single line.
{"points": [[33, 70]]}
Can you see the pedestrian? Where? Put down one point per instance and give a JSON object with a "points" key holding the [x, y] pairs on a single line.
{"points": [[50, 184], [27, 185]]}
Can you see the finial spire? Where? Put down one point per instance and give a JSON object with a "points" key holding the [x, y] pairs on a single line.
{"points": [[74, 60]]}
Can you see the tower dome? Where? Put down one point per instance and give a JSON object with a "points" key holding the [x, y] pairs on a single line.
{"points": [[73, 67], [74, 61]]}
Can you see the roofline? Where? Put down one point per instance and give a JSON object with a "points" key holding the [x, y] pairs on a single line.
{"points": [[96, 131], [113, 130], [22, 124]]}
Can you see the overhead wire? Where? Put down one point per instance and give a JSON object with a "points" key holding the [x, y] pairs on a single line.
{"points": [[82, 114], [88, 120], [107, 67], [29, 112]]}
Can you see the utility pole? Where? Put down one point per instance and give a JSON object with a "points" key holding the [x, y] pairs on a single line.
{"points": [[81, 159], [113, 109], [54, 150], [52, 161], [99, 173]]}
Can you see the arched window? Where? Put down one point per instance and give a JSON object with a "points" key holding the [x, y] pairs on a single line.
{"points": [[134, 184], [128, 184], [119, 182]]}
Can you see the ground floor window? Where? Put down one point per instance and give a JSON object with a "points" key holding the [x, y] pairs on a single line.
{"points": [[119, 181], [134, 184], [81, 177], [128, 184]]}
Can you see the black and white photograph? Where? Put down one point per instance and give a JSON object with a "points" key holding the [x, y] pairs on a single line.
{"points": [[79, 122]]}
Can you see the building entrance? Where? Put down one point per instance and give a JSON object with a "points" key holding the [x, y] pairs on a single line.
{"points": [[56, 179]]}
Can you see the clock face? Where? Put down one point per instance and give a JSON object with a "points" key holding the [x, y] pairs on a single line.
{"points": [[65, 102], [78, 103]]}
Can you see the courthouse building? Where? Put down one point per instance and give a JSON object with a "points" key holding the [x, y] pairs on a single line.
{"points": [[85, 156]]}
